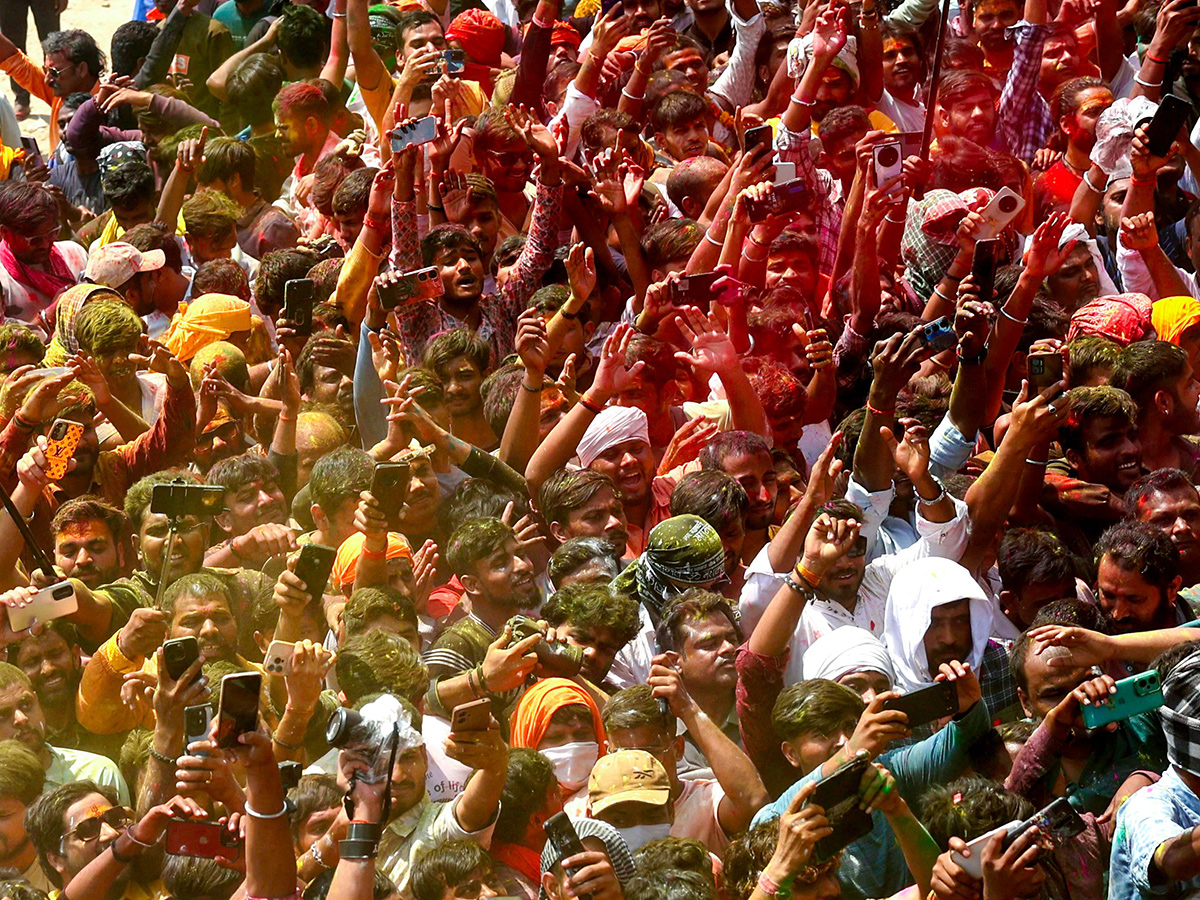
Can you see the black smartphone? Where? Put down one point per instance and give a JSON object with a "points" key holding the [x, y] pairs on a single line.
{"points": [[983, 269], [33, 156], [695, 290], [390, 487], [197, 722], [298, 296], [237, 713], [562, 834], [927, 704], [761, 136], [1045, 370], [784, 198], [178, 654], [177, 499], [606, 5], [837, 794], [313, 567], [1057, 820], [1172, 115]]}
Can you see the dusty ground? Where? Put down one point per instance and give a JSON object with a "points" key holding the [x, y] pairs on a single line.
{"points": [[99, 17]]}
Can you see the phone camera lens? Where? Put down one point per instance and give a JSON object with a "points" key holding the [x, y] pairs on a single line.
{"points": [[888, 156], [1008, 204]]}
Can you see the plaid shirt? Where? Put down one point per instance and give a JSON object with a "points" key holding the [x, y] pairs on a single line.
{"points": [[997, 684], [500, 311], [793, 146], [1024, 121]]}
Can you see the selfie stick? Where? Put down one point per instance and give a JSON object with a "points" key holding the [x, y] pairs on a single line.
{"points": [[931, 100], [172, 530], [39, 555]]}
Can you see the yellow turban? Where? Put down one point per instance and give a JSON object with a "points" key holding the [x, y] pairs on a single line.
{"points": [[1172, 316], [204, 321]]}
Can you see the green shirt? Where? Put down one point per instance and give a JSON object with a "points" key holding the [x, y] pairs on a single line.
{"points": [[79, 765]]}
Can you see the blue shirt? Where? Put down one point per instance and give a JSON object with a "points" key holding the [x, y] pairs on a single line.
{"points": [[1151, 816], [874, 866]]}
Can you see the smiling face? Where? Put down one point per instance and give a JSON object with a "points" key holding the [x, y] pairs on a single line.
{"points": [[1112, 453], [187, 551], [756, 474], [504, 578], [257, 503], [507, 161], [630, 466], [972, 116], [209, 620], [52, 665], [901, 65], [688, 62]]}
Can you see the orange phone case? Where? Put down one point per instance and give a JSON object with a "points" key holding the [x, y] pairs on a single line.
{"points": [[63, 440]]}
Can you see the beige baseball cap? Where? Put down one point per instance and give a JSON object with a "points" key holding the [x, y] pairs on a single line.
{"points": [[627, 776], [114, 264]]}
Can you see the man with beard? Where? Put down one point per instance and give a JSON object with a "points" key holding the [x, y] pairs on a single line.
{"points": [[21, 717], [461, 360], [254, 520], [38, 266], [196, 605], [53, 662], [1159, 378], [966, 107], [477, 655], [91, 541], [938, 614], [1138, 580], [1168, 501], [326, 372], [302, 117], [583, 503], [134, 596], [745, 457], [990, 21], [1102, 458], [73, 825]]}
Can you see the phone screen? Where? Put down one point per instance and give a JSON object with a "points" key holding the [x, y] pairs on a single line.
{"points": [[239, 707]]}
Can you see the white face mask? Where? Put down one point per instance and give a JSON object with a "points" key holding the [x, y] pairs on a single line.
{"points": [[638, 836], [573, 762]]}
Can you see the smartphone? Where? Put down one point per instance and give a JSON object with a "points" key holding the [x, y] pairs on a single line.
{"points": [[420, 284], [298, 296], [179, 654], [606, 5], [889, 163], [183, 498], [784, 172], [837, 794], [999, 213], [313, 567], [473, 716], [1057, 820], [54, 372], [197, 722], [278, 658], [783, 198], [695, 289], [33, 156], [62, 440], [1045, 370], [1172, 114], [414, 134], [390, 487], [983, 268], [759, 136], [237, 713], [939, 335], [1135, 694], [927, 704], [210, 840], [49, 603], [562, 834], [454, 62]]}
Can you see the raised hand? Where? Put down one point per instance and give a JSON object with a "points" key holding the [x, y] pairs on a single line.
{"points": [[537, 136], [712, 350], [800, 828], [912, 453], [190, 152], [828, 540], [686, 443], [1138, 232], [612, 376], [581, 270], [829, 35], [824, 473], [532, 345]]}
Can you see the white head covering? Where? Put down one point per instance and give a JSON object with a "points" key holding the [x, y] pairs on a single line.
{"points": [[799, 53], [1114, 134], [845, 650], [614, 425], [915, 591], [1076, 232]]}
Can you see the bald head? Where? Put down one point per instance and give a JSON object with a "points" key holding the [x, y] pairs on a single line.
{"points": [[693, 181], [317, 433]]}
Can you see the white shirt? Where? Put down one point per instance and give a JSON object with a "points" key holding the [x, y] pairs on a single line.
{"points": [[820, 616]]}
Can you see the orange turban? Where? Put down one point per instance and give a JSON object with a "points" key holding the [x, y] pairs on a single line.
{"points": [[1172, 316], [345, 566], [204, 321], [563, 33], [480, 34], [538, 704]]}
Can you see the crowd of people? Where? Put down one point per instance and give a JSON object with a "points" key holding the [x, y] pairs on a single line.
{"points": [[653, 449]]}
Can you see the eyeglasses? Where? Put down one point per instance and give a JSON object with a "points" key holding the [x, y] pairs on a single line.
{"points": [[509, 157], [859, 548], [88, 829]]}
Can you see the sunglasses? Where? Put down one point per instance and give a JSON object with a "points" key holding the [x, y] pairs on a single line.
{"points": [[118, 817], [859, 548]]}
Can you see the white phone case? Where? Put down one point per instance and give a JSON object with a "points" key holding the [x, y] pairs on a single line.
{"points": [[973, 865], [49, 603], [1002, 210], [278, 660]]}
